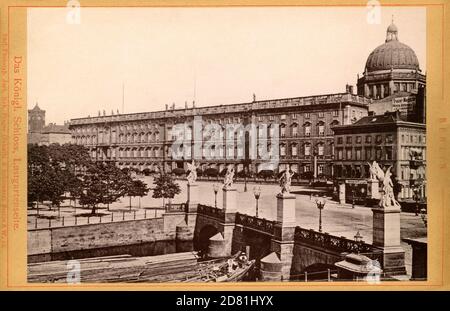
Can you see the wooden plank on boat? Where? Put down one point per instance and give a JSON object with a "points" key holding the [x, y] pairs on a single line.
{"points": [[114, 268]]}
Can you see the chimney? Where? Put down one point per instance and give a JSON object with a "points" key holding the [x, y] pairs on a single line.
{"points": [[167, 107], [347, 88], [350, 88], [193, 104]]}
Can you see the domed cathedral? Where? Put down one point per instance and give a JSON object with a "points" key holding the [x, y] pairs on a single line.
{"points": [[393, 79]]}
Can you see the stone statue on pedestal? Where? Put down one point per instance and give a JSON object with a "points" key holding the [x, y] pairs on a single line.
{"points": [[192, 177], [387, 199], [373, 170], [228, 180], [285, 180]]}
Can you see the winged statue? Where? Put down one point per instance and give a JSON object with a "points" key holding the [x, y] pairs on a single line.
{"points": [[192, 168], [228, 180]]}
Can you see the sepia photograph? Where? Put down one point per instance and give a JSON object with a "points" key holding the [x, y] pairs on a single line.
{"points": [[226, 144]]}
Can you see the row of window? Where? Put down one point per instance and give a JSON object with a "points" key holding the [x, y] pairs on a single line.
{"points": [[368, 153], [230, 120], [148, 137], [389, 139], [212, 151]]}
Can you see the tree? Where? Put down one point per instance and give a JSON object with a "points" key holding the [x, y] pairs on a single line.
{"points": [[45, 181], [136, 188], [165, 188], [102, 184], [52, 171]]}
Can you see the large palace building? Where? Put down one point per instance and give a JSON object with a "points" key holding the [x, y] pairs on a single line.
{"points": [[392, 81], [145, 140]]}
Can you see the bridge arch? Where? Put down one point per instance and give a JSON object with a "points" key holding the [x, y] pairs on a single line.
{"points": [[201, 241]]}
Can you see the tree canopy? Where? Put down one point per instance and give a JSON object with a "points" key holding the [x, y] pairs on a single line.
{"points": [[56, 170], [165, 187]]}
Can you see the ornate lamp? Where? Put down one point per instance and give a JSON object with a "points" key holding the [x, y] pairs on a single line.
{"points": [[216, 189], [320, 202], [257, 194], [358, 239]]}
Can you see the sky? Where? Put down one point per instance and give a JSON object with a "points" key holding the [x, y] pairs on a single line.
{"points": [[213, 55]]}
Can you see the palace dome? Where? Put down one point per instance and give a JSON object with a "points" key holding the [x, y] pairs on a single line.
{"points": [[392, 54]]}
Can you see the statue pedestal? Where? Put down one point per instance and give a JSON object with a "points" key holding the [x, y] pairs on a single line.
{"points": [[286, 209], [373, 189], [192, 197], [229, 200], [386, 236]]}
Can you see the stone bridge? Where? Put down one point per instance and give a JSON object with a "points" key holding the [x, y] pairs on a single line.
{"points": [[280, 245], [299, 250]]}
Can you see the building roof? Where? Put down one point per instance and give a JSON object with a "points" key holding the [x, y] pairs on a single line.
{"points": [[378, 121], [392, 54], [55, 128], [36, 108], [293, 103]]}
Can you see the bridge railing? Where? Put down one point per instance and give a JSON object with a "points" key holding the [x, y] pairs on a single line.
{"points": [[337, 244], [213, 212], [260, 224]]}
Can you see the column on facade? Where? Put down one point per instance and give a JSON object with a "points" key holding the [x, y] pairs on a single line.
{"points": [[391, 87], [366, 90]]}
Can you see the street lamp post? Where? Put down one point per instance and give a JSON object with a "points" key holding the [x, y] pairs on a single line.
{"points": [[320, 202], [423, 215], [416, 196], [358, 239], [216, 189], [257, 193], [353, 196]]}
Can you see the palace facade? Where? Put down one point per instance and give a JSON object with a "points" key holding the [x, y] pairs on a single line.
{"points": [[330, 135], [304, 125]]}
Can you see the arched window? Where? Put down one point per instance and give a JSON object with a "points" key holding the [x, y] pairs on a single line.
{"points": [[282, 150], [294, 129], [282, 130], [320, 149], [307, 127], [307, 149], [294, 151], [321, 128]]}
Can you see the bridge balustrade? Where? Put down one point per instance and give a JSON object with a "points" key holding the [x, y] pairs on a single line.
{"points": [[337, 244], [253, 222], [213, 212]]}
